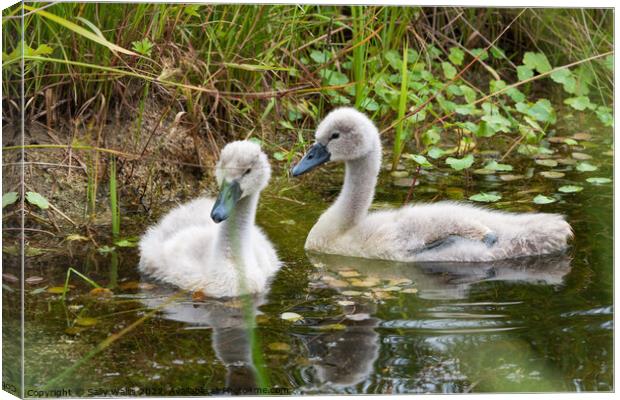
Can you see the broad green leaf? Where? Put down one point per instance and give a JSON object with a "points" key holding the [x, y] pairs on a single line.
{"points": [[580, 103], [448, 70], [542, 110], [605, 116], [320, 57], [570, 189], [465, 109], [456, 56], [482, 54], [497, 123], [420, 159], [598, 181], [523, 72], [436, 152], [431, 136], [495, 166], [36, 199], [469, 93], [497, 52], [485, 197], [333, 78], [542, 199], [516, 95], [279, 155], [586, 167], [394, 58], [291, 316], [79, 30], [566, 78], [369, 104], [459, 164], [537, 61], [126, 243], [496, 85], [9, 198]]}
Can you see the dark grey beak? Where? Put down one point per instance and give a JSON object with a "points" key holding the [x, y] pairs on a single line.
{"points": [[316, 156], [230, 193]]}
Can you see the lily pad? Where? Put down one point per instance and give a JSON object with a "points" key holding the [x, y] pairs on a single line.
{"points": [[566, 161], [547, 163], [570, 189], [459, 164], [56, 290], [86, 321], [279, 346], [399, 174], [36, 199], [483, 171], [291, 316], [495, 166], [368, 282], [9, 198], [586, 167], [351, 293], [542, 199], [485, 197], [598, 181], [511, 177], [582, 136], [348, 273], [552, 174], [581, 156]]}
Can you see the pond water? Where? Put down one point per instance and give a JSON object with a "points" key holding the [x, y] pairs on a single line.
{"points": [[527, 325]]}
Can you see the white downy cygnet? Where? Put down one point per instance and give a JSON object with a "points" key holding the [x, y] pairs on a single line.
{"points": [[443, 231], [212, 245]]}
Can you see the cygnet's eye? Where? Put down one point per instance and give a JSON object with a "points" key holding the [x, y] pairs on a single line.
{"points": [[247, 171], [334, 135]]}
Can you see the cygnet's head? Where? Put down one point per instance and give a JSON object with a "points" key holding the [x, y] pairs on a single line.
{"points": [[344, 134], [243, 170]]}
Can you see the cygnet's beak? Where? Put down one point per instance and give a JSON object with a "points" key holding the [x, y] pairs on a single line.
{"points": [[316, 156], [230, 193]]}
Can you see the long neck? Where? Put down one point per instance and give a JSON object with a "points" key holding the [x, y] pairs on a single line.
{"points": [[358, 190], [234, 235]]}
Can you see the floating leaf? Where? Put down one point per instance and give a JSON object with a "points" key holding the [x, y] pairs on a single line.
{"points": [[9, 198], [582, 136], [541, 199], [33, 280], [485, 197], [483, 171], [510, 177], [420, 160], [36, 199], [57, 290], [459, 164], [570, 189], [598, 181], [279, 346], [291, 316], [552, 174], [571, 142], [86, 321], [586, 167], [351, 293], [495, 166], [368, 282], [101, 292], [581, 156], [436, 152], [348, 273], [547, 163], [346, 303]]}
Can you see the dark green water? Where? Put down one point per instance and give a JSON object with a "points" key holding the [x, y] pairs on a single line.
{"points": [[541, 324]]}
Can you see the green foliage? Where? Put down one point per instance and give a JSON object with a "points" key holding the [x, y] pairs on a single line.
{"points": [[144, 47], [485, 197], [542, 199], [38, 200], [9, 198], [570, 189], [459, 164]]}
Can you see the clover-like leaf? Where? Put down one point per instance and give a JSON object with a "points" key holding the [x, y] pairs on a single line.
{"points": [[537, 61], [459, 164], [542, 199], [9, 198], [485, 197], [420, 160], [36, 199]]}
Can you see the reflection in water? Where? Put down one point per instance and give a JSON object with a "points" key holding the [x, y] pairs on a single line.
{"points": [[440, 333], [229, 337]]}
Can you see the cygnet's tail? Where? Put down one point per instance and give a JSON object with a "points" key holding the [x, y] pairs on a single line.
{"points": [[534, 234]]}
